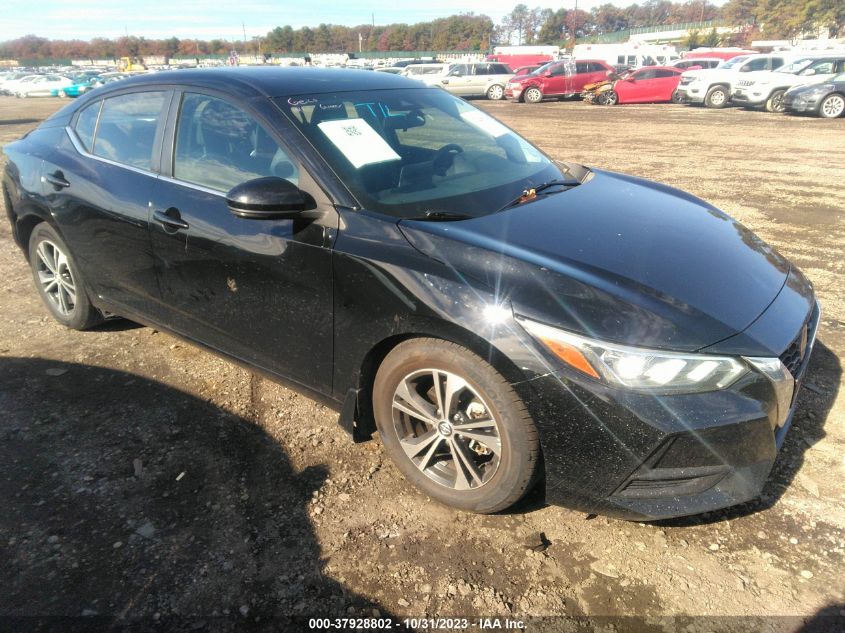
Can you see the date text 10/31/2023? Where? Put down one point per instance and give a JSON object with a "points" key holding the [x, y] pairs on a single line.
{"points": [[432, 624]]}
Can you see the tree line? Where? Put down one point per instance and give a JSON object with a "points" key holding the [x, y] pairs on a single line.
{"points": [[772, 19]]}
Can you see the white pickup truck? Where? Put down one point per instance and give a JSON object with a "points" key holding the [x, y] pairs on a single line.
{"points": [[713, 87], [767, 88]]}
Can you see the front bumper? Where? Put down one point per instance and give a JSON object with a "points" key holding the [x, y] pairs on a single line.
{"points": [[747, 97], [801, 104], [646, 457], [692, 93], [513, 92]]}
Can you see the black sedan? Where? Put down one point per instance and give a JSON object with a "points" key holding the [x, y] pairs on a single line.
{"points": [[826, 100], [501, 319]]}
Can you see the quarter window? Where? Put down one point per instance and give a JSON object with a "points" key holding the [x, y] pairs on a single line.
{"points": [[126, 132], [86, 123], [218, 145]]}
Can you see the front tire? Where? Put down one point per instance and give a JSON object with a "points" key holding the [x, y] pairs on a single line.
{"points": [[775, 101], [832, 106], [495, 93], [717, 97], [609, 98], [454, 426], [59, 281], [533, 95], [678, 98]]}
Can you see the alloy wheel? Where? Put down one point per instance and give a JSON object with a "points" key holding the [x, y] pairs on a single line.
{"points": [[833, 106], [446, 429], [533, 95], [56, 277], [495, 93]]}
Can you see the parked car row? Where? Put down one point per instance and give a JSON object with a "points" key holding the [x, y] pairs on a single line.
{"points": [[776, 82], [41, 84]]}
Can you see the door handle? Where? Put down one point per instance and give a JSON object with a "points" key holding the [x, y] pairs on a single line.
{"points": [[57, 179], [170, 219]]}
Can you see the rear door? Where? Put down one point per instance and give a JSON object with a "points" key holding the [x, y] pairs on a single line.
{"points": [[665, 83], [259, 290], [99, 183]]}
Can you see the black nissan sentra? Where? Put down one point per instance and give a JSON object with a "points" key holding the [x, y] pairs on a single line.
{"points": [[501, 319]]}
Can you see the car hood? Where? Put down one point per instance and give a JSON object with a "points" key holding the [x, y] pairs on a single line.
{"points": [[618, 258]]}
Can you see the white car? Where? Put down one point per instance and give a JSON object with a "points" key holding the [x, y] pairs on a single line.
{"points": [[713, 87], [703, 63], [42, 86], [767, 88], [10, 85]]}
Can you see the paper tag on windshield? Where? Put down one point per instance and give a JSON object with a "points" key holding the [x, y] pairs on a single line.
{"points": [[358, 141], [485, 123]]}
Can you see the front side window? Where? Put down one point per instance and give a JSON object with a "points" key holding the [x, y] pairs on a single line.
{"points": [[648, 73], [824, 67], [127, 127], [663, 74], [407, 152], [86, 123], [218, 145]]}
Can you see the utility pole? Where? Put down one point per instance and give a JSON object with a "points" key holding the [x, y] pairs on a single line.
{"points": [[244, 28], [373, 15]]}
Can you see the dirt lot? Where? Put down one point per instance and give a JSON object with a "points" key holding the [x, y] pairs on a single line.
{"points": [[144, 478]]}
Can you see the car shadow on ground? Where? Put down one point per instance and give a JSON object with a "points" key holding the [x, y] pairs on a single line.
{"points": [[125, 500], [819, 391]]}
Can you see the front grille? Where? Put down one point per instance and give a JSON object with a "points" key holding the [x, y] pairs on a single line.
{"points": [[795, 355]]}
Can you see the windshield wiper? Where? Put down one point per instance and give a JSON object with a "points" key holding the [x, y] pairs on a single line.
{"points": [[531, 194], [440, 216]]}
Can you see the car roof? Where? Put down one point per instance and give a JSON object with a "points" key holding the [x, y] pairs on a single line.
{"points": [[672, 68], [272, 81]]}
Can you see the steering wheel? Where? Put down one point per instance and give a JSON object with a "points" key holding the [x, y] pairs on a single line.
{"points": [[445, 157]]}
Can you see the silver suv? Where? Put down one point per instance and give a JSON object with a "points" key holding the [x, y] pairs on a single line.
{"points": [[477, 79]]}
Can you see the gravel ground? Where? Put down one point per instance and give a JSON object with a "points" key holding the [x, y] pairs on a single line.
{"points": [[143, 478]]}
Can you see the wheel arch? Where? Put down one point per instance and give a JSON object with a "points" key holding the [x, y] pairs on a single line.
{"points": [[357, 411]]}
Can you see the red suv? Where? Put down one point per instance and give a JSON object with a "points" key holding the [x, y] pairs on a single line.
{"points": [[557, 79]]}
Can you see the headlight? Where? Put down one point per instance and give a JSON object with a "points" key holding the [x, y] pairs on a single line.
{"points": [[638, 368]]}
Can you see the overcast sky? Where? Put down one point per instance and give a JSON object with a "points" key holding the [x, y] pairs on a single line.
{"points": [[84, 19]]}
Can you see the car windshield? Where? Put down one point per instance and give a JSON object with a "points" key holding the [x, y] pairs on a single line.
{"points": [[410, 152], [734, 62], [795, 67]]}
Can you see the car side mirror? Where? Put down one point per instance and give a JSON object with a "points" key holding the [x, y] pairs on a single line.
{"points": [[456, 73], [547, 73], [269, 198], [808, 72]]}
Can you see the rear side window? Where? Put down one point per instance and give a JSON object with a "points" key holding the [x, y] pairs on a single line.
{"points": [[218, 145], [126, 132], [582, 67], [86, 123], [500, 69], [662, 74]]}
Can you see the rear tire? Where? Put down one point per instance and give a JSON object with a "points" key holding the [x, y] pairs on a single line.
{"points": [[775, 101], [59, 281], [717, 97], [533, 95], [832, 106], [478, 453]]}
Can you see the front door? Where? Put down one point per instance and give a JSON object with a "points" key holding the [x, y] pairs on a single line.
{"points": [[259, 290]]}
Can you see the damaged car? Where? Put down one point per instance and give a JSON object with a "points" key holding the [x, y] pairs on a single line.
{"points": [[500, 319], [653, 84]]}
